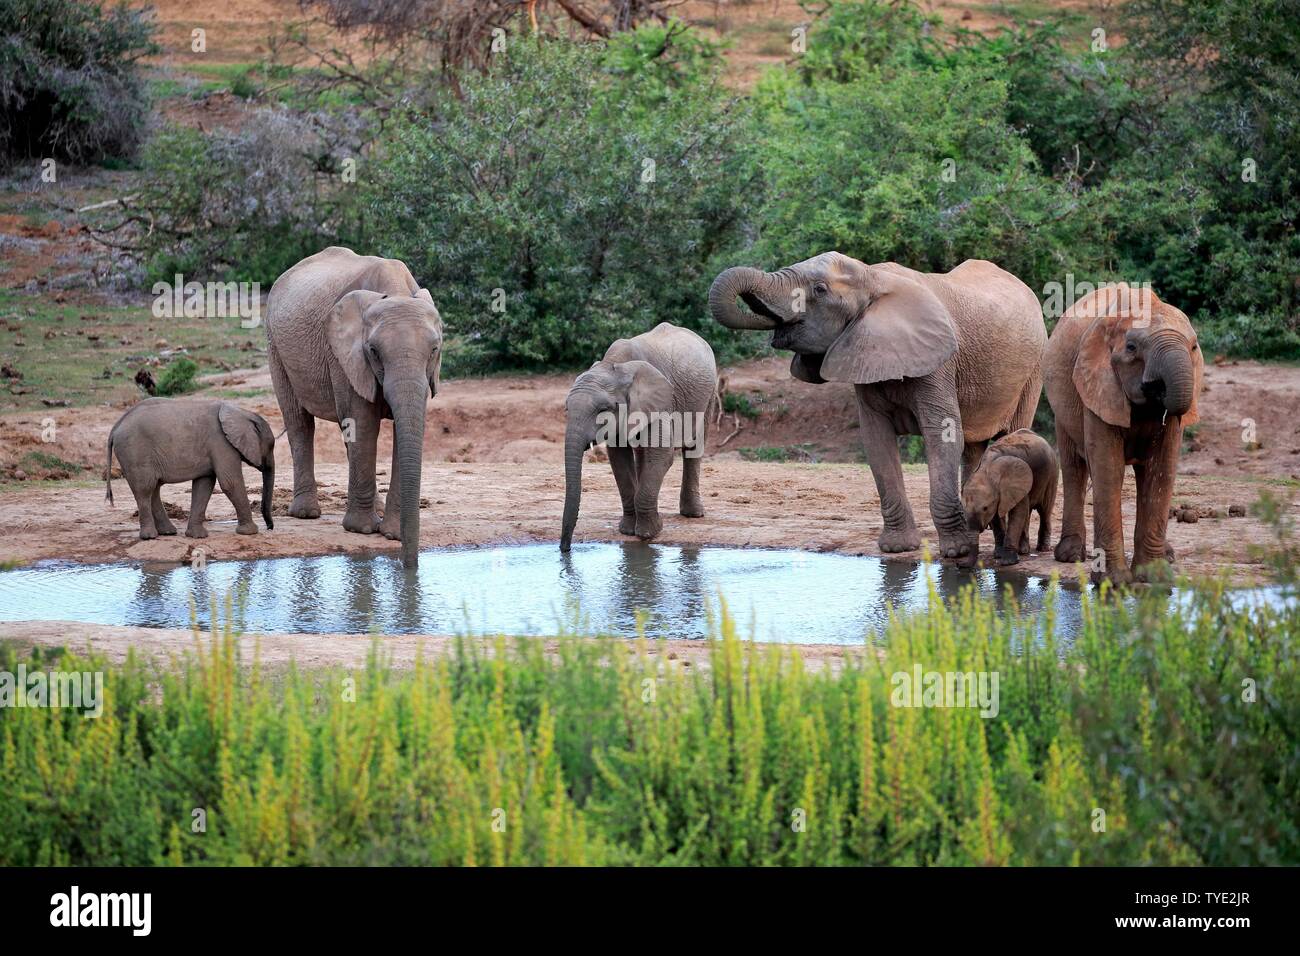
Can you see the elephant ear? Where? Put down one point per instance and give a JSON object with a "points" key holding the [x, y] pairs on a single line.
{"points": [[649, 391], [1013, 478], [807, 368], [1095, 379], [347, 337], [906, 332], [242, 429]]}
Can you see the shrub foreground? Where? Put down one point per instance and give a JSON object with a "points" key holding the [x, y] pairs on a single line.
{"points": [[1154, 738]]}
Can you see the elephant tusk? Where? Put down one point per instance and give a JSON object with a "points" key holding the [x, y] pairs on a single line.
{"points": [[1164, 418]]}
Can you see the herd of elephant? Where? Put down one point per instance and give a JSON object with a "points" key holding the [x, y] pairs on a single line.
{"points": [[960, 358]]}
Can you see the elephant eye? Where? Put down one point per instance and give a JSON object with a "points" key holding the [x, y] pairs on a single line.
{"points": [[819, 288], [1130, 347]]}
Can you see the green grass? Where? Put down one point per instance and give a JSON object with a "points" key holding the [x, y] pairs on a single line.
{"points": [[88, 355], [1136, 745], [806, 452], [734, 403]]}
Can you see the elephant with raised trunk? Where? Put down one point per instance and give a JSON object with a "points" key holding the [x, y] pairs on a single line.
{"points": [[955, 357], [647, 399], [1124, 372], [354, 340]]}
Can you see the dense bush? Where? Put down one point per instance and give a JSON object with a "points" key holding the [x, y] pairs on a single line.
{"points": [[558, 202], [595, 755], [69, 87], [240, 206]]}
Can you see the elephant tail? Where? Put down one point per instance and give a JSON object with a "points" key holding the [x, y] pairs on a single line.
{"points": [[108, 471]]}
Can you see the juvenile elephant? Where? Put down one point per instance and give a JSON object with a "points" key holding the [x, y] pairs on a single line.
{"points": [[1016, 477], [955, 357], [162, 441], [648, 397], [1123, 373], [354, 340]]}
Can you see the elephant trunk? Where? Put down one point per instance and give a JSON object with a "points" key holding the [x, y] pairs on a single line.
{"points": [[576, 440], [737, 281], [407, 400], [1171, 365], [268, 492]]}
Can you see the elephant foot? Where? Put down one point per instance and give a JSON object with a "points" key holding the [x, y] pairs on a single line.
{"points": [[1070, 549], [627, 525], [246, 528], [304, 506], [361, 522], [692, 509], [897, 540], [648, 526], [196, 531], [392, 530], [958, 546], [1116, 576], [1024, 545], [1006, 557], [148, 534], [167, 529]]}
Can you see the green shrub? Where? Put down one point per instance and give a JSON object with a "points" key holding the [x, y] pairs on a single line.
{"points": [[594, 755], [69, 84], [178, 377], [552, 207]]}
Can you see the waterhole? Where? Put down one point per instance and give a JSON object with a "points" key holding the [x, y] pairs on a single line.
{"points": [[775, 595]]}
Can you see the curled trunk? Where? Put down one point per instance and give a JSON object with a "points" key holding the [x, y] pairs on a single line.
{"points": [[1172, 365], [407, 402], [575, 445], [734, 282], [268, 491]]}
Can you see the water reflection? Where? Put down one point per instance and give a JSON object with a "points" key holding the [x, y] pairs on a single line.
{"points": [[530, 589]]}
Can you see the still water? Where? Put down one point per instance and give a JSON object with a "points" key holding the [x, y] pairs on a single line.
{"points": [[775, 595]]}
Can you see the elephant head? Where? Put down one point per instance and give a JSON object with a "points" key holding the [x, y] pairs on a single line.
{"points": [[1138, 353], [995, 488], [252, 437], [844, 320], [611, 402], [390, 346]]}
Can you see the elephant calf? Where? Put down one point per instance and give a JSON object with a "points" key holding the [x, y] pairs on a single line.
{"points": [[1016, 476], [162, 441], [647, 397]]}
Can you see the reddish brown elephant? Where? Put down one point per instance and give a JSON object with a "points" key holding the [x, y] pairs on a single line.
{"points": [[1123, 372]]}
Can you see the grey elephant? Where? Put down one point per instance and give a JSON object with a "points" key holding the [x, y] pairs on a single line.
{"points": [[1016, 477], [162, 441], [645, 400], [354, 340], [955, 357]]}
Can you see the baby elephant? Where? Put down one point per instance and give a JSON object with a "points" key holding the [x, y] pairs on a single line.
{"points": [[648, 397], [1017, 475], [165, 440]]}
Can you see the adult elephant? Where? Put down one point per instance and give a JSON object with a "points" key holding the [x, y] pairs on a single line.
{"points": [[1123, 374], [354, 340], [955, 357]]}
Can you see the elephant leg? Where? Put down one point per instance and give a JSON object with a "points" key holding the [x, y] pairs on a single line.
{"points": [[690, 504], [391, 526], [1017, 523], [362, 451], [880, 443], [160, 519], [1155, 489], [622, 462], [144, 491], [1105, 445], [971, 456], [1044, 528], [300, 427], [1073, 545], [200, 492], [657, 461], [944, 449], [999, 533], [1027, 407], [230, 475]]}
